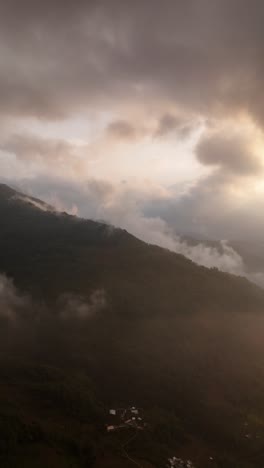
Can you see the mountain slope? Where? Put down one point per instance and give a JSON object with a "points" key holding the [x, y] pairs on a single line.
{"points": [[49, 254], [99, 319]]}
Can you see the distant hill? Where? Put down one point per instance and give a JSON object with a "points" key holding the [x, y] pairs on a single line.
{"points": [[97, 319]]}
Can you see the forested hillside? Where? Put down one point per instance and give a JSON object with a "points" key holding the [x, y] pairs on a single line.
{"points": [[92, 318]]}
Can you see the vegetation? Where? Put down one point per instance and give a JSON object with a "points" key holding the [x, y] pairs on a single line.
{"points": [[179, 340]]}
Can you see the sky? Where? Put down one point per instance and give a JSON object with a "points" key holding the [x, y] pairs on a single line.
{"points": [[146, 113]]}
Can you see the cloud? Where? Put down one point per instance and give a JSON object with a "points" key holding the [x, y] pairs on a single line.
{"points": [[73, 306], [123, 129], [34, 202], [12, 303], [74, 197], [157, 127], [226, 202], [174, 124], [204, 56], [215, 206], [34, 148], [230, 152], [15, 306]]}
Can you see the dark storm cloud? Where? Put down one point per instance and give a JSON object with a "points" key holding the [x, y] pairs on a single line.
{"points": [[60, 57]]}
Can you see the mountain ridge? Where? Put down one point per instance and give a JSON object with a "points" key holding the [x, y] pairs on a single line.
{"points": [[46, 240]]}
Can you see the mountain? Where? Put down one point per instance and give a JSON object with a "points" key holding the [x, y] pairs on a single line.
{"points": [[49, 253], [93, 318]]}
